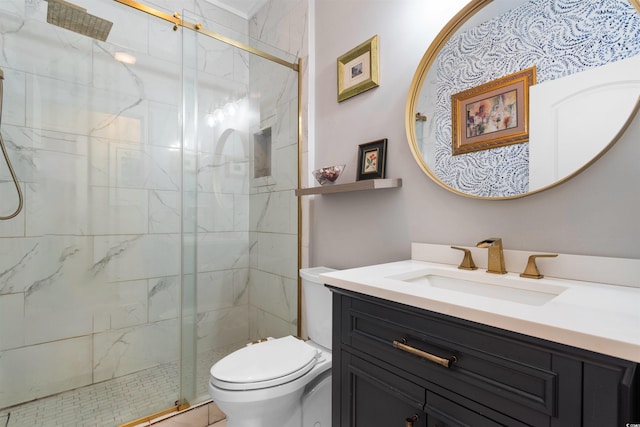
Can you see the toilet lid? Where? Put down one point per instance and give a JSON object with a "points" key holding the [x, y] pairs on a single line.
{"points": [[266, 364]]}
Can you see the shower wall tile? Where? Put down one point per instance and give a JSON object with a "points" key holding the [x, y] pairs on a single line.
{"points": [[28, 373], [56, 207], [164, 298], [51, 316], [25, 48], [222, 251], [264, 324], [253, 249], [33, 264], [58, 301], [215, 290], [241, 286], [221, 328], [133, 257], [130, 29], [60, 166], [164, 211], [118, 211], [277, 86], [76, 108], [164, 42], [223, 173], [142, 79], [20, 154], [121, 305], [215, 60], [9, 196], [120, 352], [98, 160], [14, 96], [16, 7], [277, 254], [176, 5], [273, 24], [11, 321], [43, 140], [164, 124], [215, 15], [286, 175], [274, 294], [209, 169], [136, 166], [215, 212], [274, 212], [242, 68], [241, 215]]}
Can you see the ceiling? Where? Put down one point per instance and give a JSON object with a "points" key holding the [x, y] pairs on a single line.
{"points": [[243, 8]]}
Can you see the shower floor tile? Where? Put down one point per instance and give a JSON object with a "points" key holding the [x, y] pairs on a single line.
{"points": [[113, 402]]}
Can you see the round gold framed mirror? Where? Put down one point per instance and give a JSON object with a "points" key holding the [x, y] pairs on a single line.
{"points": [[517, 96]]}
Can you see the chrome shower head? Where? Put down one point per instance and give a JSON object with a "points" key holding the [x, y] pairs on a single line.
{"points": [[75, 18]]}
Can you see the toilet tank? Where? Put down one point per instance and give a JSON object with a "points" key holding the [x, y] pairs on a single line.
{"points": [[317, 305]]}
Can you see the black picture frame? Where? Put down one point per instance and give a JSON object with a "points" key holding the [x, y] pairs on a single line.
{"points": [[372, 159]]}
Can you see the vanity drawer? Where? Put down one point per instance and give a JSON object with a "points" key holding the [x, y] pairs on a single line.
{"points": [[498, 378], [494, 370]]}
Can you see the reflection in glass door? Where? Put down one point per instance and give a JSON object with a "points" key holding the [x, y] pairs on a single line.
{"points": [[240, 213]]}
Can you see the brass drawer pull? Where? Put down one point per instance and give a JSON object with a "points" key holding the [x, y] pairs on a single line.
{"points": [[410, 421], [401, 345]]}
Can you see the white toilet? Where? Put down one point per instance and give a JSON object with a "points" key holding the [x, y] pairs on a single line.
{"points": [[283, 382]]}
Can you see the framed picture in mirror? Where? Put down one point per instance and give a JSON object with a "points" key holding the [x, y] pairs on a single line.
{"points": [[358, 69], [493, 114], [372, 159]]}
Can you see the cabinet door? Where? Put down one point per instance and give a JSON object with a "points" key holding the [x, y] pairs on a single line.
{"points": [[447, 413], [378, 398]]}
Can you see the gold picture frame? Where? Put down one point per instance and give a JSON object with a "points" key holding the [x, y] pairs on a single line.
{"points": [[492, 114], [358, 69]]}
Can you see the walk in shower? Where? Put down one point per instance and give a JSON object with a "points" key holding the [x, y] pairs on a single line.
{"points": [[160, 227]]}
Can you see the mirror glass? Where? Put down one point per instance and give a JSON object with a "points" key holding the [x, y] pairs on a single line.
{"points": [[517, 136]]}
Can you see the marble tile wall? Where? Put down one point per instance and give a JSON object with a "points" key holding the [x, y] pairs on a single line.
{"points": [[274, 206], [90, 270]]}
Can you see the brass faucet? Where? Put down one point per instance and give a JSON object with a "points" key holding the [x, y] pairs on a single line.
{"points": [[532, 271], [496, 256], [467, 262]]}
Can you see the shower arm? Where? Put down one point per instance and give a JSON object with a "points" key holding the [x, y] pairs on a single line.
{"points": [[6, 158]]}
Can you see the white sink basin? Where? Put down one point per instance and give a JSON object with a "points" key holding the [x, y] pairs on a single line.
{"points": [[502, 287]]}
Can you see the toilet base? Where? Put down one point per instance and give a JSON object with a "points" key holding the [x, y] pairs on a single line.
{"points": [[283, 405], [272, 413]]}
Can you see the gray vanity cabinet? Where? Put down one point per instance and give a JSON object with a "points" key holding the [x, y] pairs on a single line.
{"points": [[497, 377]]}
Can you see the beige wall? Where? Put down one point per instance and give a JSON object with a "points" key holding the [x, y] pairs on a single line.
{"points": [[595, 213]]}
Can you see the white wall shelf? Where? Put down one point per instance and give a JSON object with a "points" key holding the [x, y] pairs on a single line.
{"points": [[369, 184]]}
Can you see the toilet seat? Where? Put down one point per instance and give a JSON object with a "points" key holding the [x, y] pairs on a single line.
{"points": [[264, 365]]}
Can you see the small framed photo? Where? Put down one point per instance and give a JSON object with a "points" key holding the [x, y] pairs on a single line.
{"points": [[493, 114], [372, 159], [358, 69]]}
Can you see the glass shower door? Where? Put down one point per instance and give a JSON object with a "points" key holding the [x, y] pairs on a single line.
{"points": [[240, 213], [89, 270]]}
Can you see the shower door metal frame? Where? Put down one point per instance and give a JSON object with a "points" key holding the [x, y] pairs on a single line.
{"points": [[177, 21]]}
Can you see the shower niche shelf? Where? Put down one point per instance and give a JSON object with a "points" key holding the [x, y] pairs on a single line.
{"points": [[369, 184]]}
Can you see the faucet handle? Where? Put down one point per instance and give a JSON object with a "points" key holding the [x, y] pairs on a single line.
{"points": [[467, 262], [531, 271]]}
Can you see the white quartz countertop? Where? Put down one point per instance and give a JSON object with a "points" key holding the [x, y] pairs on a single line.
{"points": [[599, 317]]}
